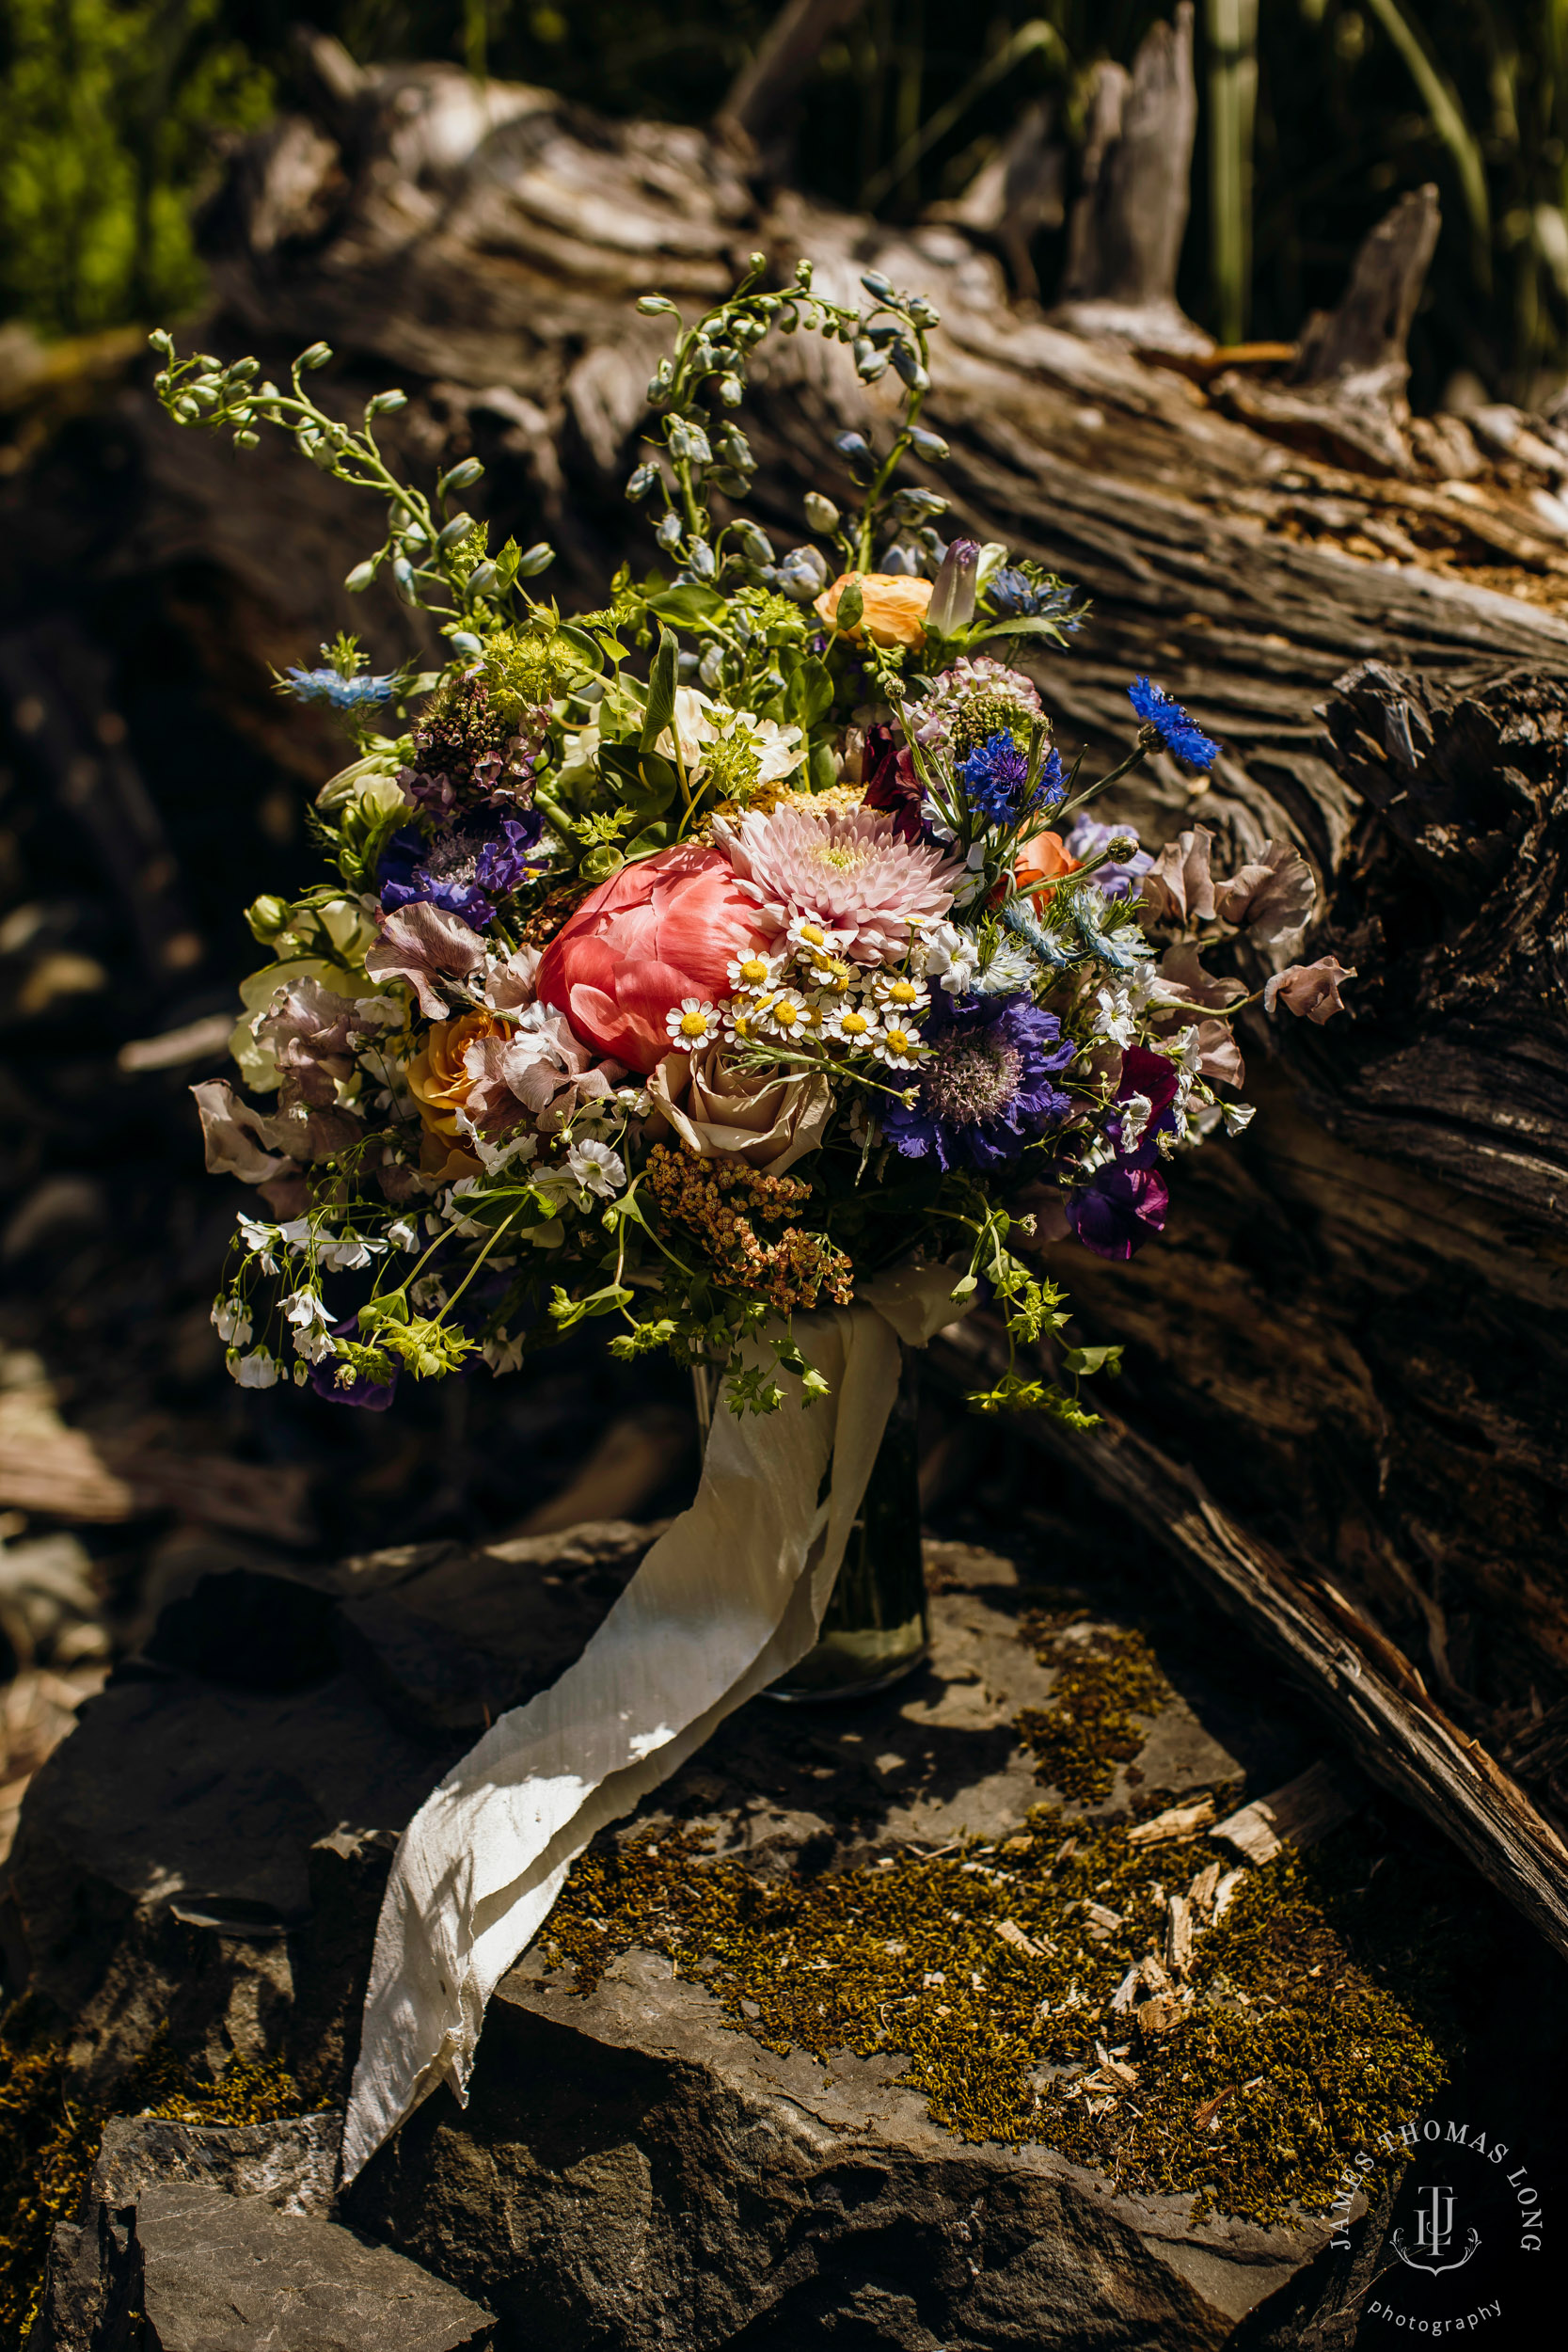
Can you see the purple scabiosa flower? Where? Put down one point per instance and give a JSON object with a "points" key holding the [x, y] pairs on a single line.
{"points": [[1117, 876], [1181, 734], [986, 1090], [464, 868], [343, 693]]}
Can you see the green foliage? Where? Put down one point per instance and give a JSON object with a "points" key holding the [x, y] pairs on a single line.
{"points": [[106, 115]]}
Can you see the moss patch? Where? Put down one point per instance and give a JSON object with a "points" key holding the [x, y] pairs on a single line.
{"points": [[49, 2142], [1323, 2002], [1104, 1678]]}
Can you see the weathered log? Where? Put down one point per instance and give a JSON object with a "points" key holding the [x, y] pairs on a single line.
{"points": [[1362, 1685]]}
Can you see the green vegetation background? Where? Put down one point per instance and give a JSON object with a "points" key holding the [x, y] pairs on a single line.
{"points": [[115, 116]]}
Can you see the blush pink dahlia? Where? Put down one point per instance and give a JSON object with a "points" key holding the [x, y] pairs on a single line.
{"points": [[848, 869], [655, 934]]}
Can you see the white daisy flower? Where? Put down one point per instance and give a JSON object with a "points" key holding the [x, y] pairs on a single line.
{"points": [[808, 937], [901, 994], [786, 1014], [754, 971], [745, 1022], [691, 1024], [901, 1048], [854, 1024]]}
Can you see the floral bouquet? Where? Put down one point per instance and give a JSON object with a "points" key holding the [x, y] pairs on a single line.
{"points": [[738, 962], [686, 961]]}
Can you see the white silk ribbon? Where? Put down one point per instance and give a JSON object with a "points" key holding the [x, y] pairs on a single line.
{"points": [[727, 1601]]}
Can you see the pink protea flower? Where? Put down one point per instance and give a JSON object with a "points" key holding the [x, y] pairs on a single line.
{"points": [[847, 869]]}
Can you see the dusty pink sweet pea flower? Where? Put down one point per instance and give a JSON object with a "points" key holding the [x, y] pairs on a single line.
{"points": [[423, 945], [542, 1066], [1178, 887], [1273, 895], [1310, 989]]}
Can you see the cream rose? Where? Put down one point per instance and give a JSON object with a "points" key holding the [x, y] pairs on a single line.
{"points": [[717, 1108]]}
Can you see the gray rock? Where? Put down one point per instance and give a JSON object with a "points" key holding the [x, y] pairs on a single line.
{"points": [[632, 2172], [187, 2268], [291, 2166]]}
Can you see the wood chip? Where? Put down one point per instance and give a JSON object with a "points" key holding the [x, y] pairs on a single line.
{"points": [[1099, 1916], [1112, 2070], [1201, 1892], [1152, 1976], [1223, 1891], [1011, 1934], [1158, 2015], [1206, 2118], [1178, 1934], [1065, 1852], [1299, 1813], [1177, 1821], [1017, 1845]]}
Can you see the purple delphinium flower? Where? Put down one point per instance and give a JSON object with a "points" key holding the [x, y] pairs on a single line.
{"points": [[464, 868], [1115, 877], [986, 1090], [1181, 734], [343, 693]]}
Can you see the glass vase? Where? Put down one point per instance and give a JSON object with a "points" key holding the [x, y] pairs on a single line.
{"points": [[876, 1628]]}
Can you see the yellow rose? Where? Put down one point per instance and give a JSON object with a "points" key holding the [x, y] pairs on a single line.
{"points": [[437, 1076], [893, 609]]}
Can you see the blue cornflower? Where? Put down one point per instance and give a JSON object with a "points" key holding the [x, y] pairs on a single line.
{"points": [[994, 777], [1182, 735], [343, 693]]}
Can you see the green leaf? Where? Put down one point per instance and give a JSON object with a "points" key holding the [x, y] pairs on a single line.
{"points": [[393, 1308], [689, 603], [600, 863], [583, 641], [661, 690], [822, 768], [809, 692], [1086, 1361], [566, 1312], [647, 780], [651, 838], [851, 604], [506, 564], [1030, 624]]}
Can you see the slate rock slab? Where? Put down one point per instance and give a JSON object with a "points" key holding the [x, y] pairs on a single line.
{"points": [[292, 2165], [187, 2268], [631, 2171]]}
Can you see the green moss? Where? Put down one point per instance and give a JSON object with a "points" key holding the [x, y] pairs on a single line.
{"points": [[49, 2142], [1103, 1680], [1315, 2028]]}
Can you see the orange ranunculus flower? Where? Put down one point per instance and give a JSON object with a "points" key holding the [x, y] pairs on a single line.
{"points": [[1042, 858], [438, 1077], [895, 606]]}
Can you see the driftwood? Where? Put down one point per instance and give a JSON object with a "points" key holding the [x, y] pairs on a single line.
{"points": [[1351, 1331]]}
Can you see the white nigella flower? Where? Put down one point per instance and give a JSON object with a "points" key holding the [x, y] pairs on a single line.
{"points": [[693, 1023], [754, 970], [853, 1025], [901, 1048], [256, 1371], [1011, 968], [1239, 1115], [232, 1322], [598, 1168]]}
